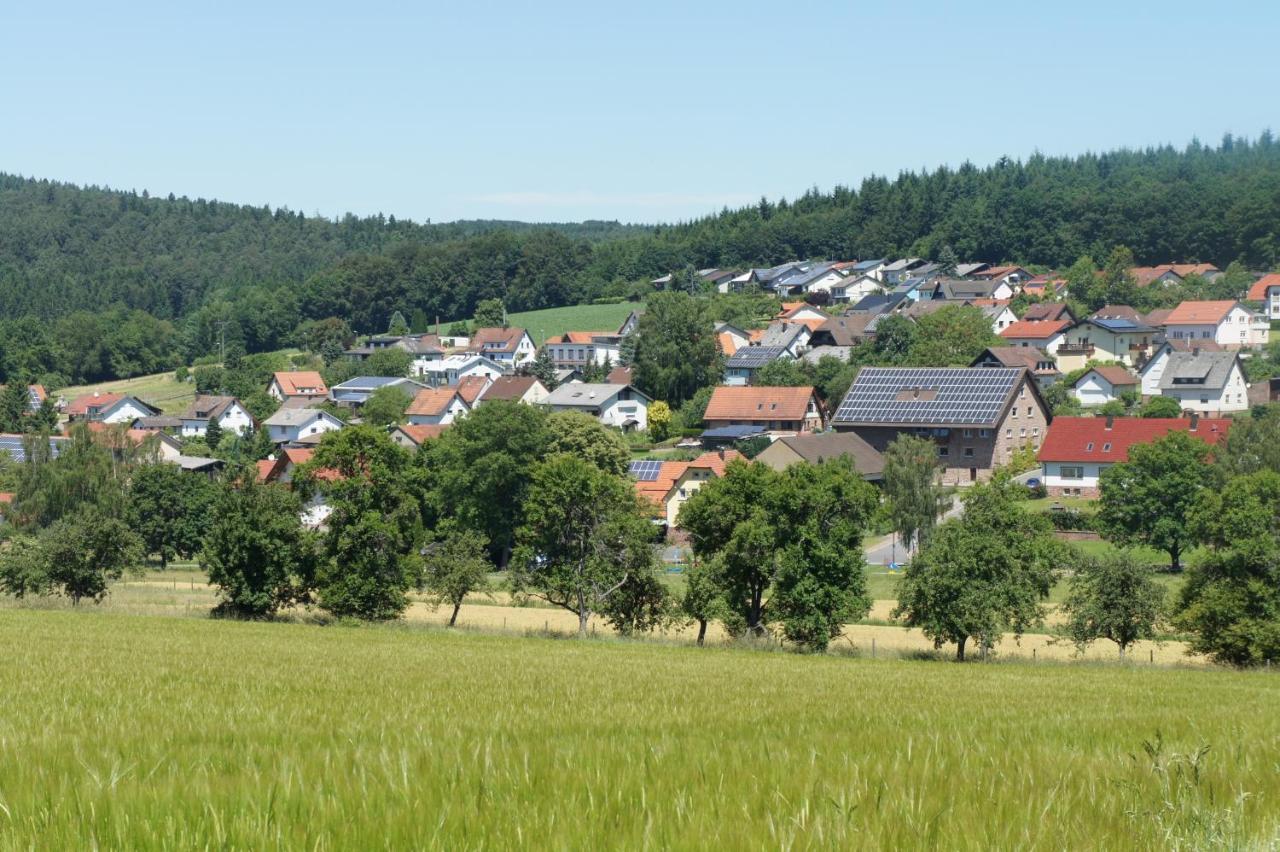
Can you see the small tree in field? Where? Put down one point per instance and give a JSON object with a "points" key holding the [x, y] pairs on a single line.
{"points": [[86, 552], [1114, 597], [23, 567], [913, 498], [703, 599], [456, 565]]}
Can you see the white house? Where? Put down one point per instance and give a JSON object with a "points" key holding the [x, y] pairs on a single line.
{"points": [[1102, 384], [1047, 335], [510, 347], [622, 406], [855, 288], [436, 407], [454, 368], [1266, 292], [295, 425], [583, 348], [1076, 450], [109, 408], [226, 411], [523, 389], [1205, 382], [1225, 323], [291, 384]]}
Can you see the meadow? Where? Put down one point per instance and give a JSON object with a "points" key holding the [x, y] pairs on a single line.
{"points": [[552, 321], [120, 731], [160, 389]]}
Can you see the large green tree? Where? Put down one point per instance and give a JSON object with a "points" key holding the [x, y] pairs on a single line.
{"points": [[85, 551], [456, 564], [1113, 597], [169, 508], [676, 349], [1147, 499], [584, 536], [579, 434], [913, 496]]}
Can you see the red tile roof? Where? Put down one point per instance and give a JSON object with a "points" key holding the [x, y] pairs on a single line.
{"points": [[657, 489], [1115, 376], [1035, 329], [1258, 292], [265, 466], [300, 382], [728, 344], [471, 387], [426, 431], [758, 403], [495, 339], [582, 337], [1045, 311], [1069, 438], [620, 376], [1200, 313], [432, 402], [510, 387], [80, 406]]}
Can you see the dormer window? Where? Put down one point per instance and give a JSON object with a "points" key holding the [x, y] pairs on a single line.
{"points": [[1106, 448], [1088, 448]]}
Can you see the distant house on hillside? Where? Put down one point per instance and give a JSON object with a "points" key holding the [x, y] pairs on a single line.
{"points": [[1037, 361], [226, 411], [622, 406], [299, 425], [453, 369], [824, 447], [1102, 384], [583, 348], [356, 391], [293, 384], [509, 347], [1226, 323], [524, 389], [773, 409], [109, 408], [1046, 335], [668, 485], [1266, 292], [1205, 382], [436, 407]]}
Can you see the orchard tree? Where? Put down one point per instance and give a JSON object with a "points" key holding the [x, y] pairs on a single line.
{"points": [[373, 533], [256, 550], [88, 550], [1114, 597], [703, 599], [24, 570], [456, 564], [585, 535], [1231, 600], [1147, 499], [168, 507], [579, 434], [913, 497], [983, 574]]}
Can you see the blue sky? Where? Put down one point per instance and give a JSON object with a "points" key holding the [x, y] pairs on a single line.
{"points": [[638, 112]]}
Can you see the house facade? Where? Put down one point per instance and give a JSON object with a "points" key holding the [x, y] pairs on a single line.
{"points": [[296, 425], [621, 406], [1266, 293], [1200, 381], [784, 410], [1225, 323], [109, 408], [1102, 384], [976, 417], [579, 349], [1046, 335], [227, 411], [293, 384], [509, 347], [1078, 449], [436, 407]]}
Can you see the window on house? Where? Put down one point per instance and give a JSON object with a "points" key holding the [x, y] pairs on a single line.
{"points": [[968, 433], [968, 452], [1022, 433], [1106, 448], [984, 433], [1204, 400], [1008, 433], [1088, 448], [1072, 471], [943, 452]]}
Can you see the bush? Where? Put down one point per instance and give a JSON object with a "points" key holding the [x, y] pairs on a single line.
{"points": [[1038, 492], [1073, 520]]}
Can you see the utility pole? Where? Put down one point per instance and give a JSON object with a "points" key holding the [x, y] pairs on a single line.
{"points": [[222, 341]]}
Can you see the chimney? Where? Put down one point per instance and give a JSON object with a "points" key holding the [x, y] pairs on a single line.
{"points": [[1111, 421], [1195, 421], [721, 452]]}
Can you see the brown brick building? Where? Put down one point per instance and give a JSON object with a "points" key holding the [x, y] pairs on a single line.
{"points": [[976, 416]]}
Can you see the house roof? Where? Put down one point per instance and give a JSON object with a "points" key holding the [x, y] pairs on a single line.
{"points": [[758, 403], [1144, 275], [1047, 311], [1114, 376], [1200, 313], [208, 407], [433, 402], [929, 396], [510, 387], [471, 388], [419, 433], [783, 334], [620, 376], [999, 271], [1198, 369], [1158, 317], [159, 421], [294, 416], [728, 343], [496, 339], [750, 357], [588, 394], [654, 479], [293, 382], [1258, 292], [825, 446], [1108, 439], [1030, 357], [1035, 329], [371, 383], [582, 337], [80, 405], [846, 330]]}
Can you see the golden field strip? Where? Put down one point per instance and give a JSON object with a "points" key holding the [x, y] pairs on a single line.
{"points": [[127, 732]]}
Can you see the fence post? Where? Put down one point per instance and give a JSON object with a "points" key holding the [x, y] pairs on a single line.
{"points": [[1151, 656], [1033, 655], [873, 647]]}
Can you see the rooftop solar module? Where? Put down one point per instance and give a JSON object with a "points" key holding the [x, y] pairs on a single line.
{"points": [[12, 444], [928, 396], [645, 470], [754, 356], [1117, 324]]}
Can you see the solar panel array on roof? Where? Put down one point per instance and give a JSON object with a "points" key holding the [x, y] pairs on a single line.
{"points": [[754, 356], [645, 470], [12, 444], [926, 396], [1116, 324]]}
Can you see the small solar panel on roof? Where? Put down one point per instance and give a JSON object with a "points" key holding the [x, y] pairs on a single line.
{"points": [[645, 470]]}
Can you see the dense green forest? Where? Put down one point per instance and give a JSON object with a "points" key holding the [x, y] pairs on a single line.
{"points": [[98, 284]]}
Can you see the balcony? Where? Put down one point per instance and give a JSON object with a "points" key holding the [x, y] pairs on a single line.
{"points": [[1078, 348]]}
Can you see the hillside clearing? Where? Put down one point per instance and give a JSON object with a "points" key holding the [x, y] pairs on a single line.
{"points": [[552, 321], [186, 733]]}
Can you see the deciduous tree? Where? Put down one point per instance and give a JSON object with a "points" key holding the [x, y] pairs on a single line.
{"points": [[914, 499], [88, 550], [1113, 597], [455, 565], [168, 507]]}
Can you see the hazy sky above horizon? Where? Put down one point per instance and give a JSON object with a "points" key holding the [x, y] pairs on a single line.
{"points": [[571, 110]]}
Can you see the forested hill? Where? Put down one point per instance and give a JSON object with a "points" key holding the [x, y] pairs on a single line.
{"points": [[64, 247], [97, 284]]}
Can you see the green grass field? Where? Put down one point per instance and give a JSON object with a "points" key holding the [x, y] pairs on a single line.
{"points": [[160, 389], [552, 321], [125, 732]]}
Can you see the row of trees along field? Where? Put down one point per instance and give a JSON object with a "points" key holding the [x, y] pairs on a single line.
{"points": [[546, 497], [157, 281]]}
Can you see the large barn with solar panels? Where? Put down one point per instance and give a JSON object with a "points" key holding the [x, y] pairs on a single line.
{"points": [[976, 417]]}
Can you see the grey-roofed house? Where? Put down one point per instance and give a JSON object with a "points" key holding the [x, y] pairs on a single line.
{"points": [[1205, 382], [792, 337], [622, 406], [848, 330], [1040, 363], [227, 411], [963, 269], [956, 289], [356, 391], [823, 447], [977, 417], [897, 271], [742, 365], [291, 425], [878, 303]]}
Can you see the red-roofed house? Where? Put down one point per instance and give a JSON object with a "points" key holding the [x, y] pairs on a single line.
{"points": [[411, 437], [801, 312], [509, 347], [676, 482], [1224, 322], [1077, 449], [776, 409], [436, 407], [282, 469], [109, 408], [291, 384], [1266, 290], [577, 349], [1040, 334], [1102, 384]]}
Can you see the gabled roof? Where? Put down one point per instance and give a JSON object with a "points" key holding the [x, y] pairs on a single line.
{"points": [[847, 330], [588, 394], [1200, 313], [80, 406], [293, 382], [999, 272], [727, 342], [1031, 358], [654, 479], [620, 375], [1108, 439], [372, 383], [1034, 329], [864, 265], [419, 433], [1047, 311], [931, 397], [1258, 292], [783, 334], [825, 446], [585, 338], [1114, 376], [295, 416], [750, 357], [510, 387], [1198, 369], [496, 339], [433, 402], [209, 407], [1158, 317], [471, 388], [758, 403]]}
